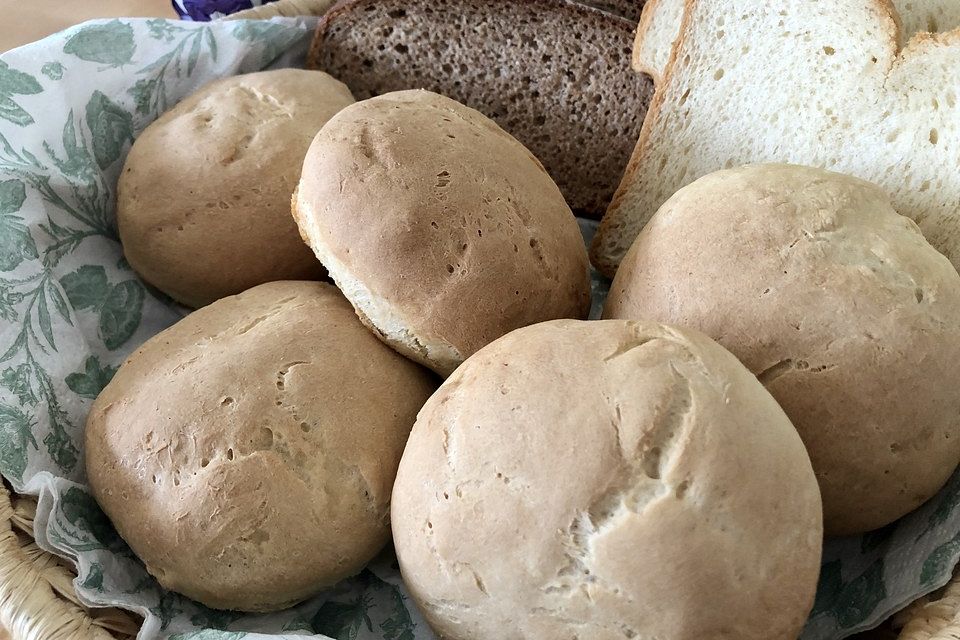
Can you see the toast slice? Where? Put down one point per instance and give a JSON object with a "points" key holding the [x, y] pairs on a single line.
{"points": [[660, 25], [815, 83], [553, 73]]}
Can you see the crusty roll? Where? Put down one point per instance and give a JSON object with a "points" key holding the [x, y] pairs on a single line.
{"points": [[247, 453], [203, 203], [837, 303], [441, 229], [607, 480]]}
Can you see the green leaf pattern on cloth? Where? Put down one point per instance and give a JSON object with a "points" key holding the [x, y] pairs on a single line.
{"points": [[91, 381], [94, 578], [167, 608], [53, 70], [18, 380], [110, 126], [150, 93], [16, 243], [93, 529], [367, 606], [828, 591], [16, 435], [87, 287], [942, 559], [851, 601], [213, 618], [110, 43], [14, 83], [120, 313], [277, 37], [118, 306], [342, 620], [947, 501], [71, 310], [859, 597]]}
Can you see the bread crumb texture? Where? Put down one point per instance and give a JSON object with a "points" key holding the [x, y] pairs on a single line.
{"points": [[247, 453], [610, 480]]}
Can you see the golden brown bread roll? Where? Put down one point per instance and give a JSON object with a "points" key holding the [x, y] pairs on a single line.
{"points": [[441, 229], [838, 304], [203, 202], [607, 480], [247, 453]]}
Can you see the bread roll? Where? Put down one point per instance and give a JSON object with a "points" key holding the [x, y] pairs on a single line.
{"points": [[203, 203], [442, 230], [607, 480], [247, 453], [837, 303]]}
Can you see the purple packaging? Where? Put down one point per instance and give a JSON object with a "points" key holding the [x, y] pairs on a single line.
{"points": [[205, 10]]}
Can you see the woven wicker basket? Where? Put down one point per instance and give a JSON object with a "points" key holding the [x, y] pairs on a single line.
{"points": [[38, 602]]}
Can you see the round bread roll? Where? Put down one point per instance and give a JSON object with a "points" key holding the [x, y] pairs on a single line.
{"points": [[607, 480], [442, 230], [837, 304], [203, 202], [247, 453]]}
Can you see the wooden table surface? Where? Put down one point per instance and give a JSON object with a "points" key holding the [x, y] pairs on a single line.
{"points": [[23, 21]]}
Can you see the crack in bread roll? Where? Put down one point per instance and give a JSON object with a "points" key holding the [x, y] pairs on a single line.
{"points": [[247, 453], [203, 202], [838, 304], [442, 230], [607, 480]]}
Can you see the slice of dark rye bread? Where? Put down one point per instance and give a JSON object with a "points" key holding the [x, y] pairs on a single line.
{"points": [[554, 73], [629, 9]]}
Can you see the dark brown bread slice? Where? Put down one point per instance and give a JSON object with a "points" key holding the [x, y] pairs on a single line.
{"points": [[629, 9], [554, 73]]}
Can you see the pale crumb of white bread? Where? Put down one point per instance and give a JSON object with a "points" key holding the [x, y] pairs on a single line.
{"points": [[660, 24], [815, 83], [656, 34], [391, 326]]}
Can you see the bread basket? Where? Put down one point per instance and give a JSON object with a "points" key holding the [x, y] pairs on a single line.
{"points": [[38, 601]]}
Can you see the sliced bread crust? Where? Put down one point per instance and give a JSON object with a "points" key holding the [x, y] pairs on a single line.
{"points": [[553, 73], [660, 26], [821, 84], [656, 33]]}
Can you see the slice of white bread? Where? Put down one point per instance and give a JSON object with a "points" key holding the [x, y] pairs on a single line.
{"points": [[660, 24], [656, 35], [814, 83]]}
